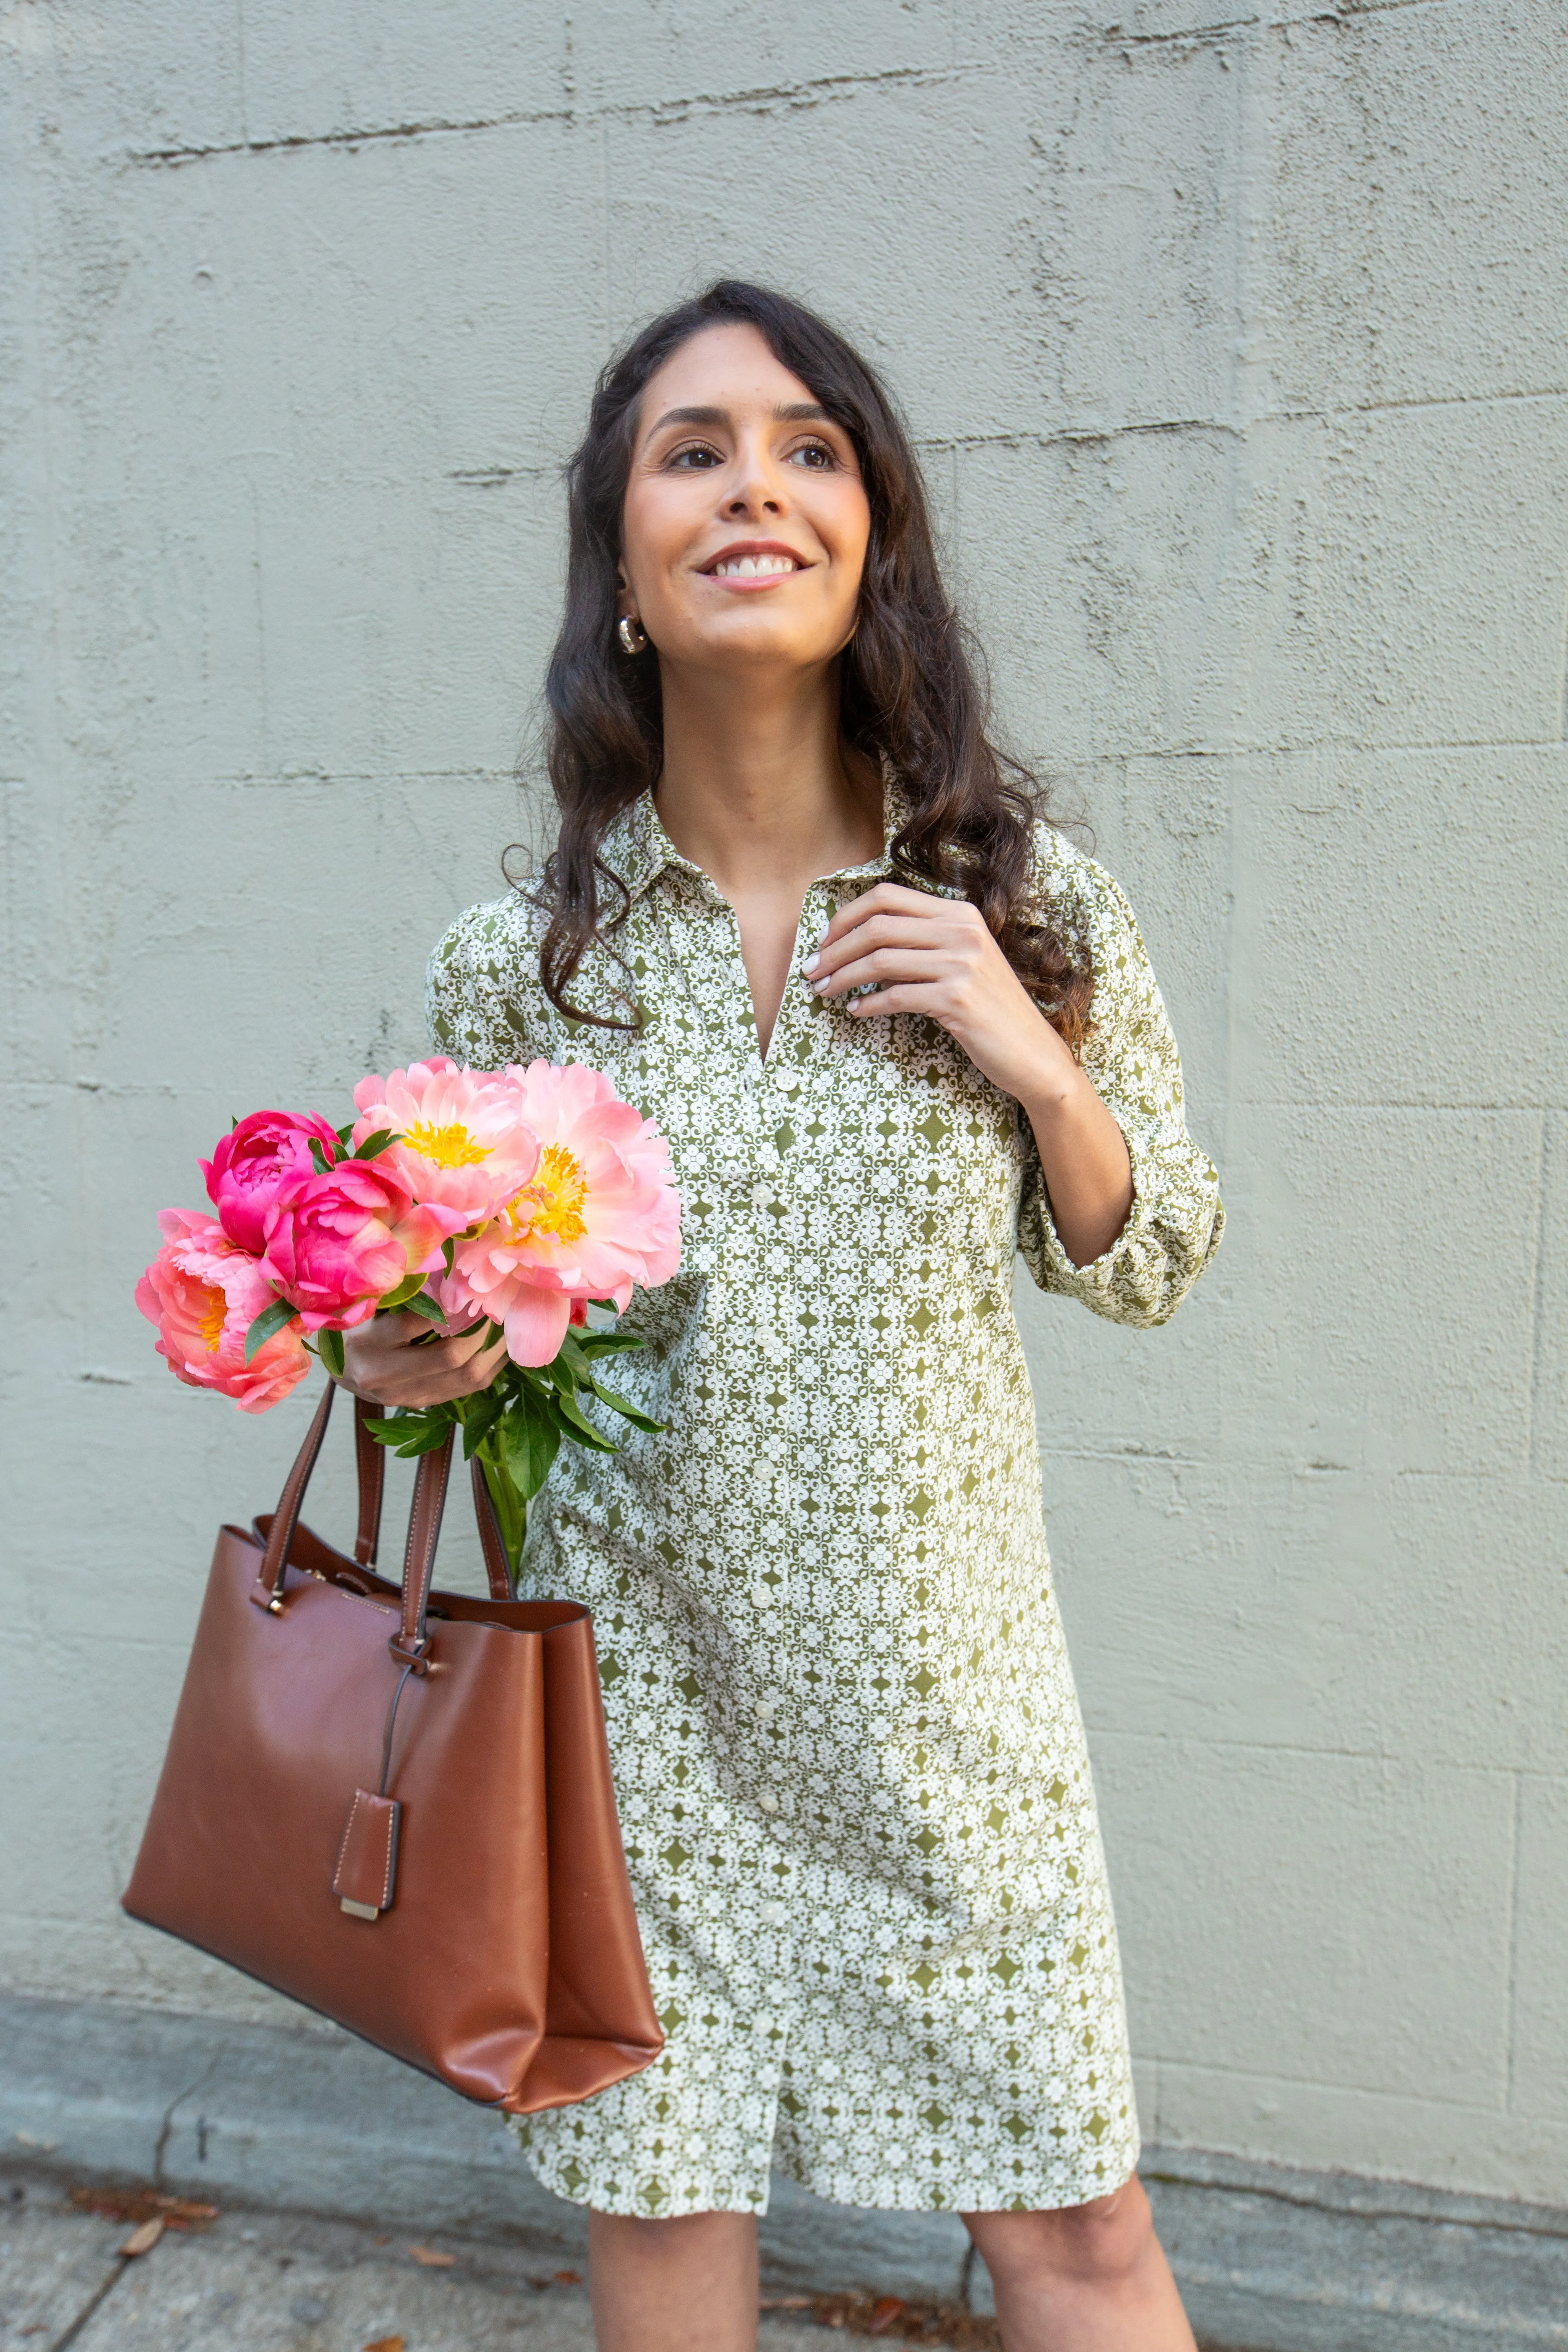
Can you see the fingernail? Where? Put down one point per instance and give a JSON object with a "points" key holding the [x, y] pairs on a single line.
{"points": [[811, 963], [819, 985]]}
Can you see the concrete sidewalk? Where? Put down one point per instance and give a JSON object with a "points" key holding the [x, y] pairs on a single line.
{"points": [[336, 2160], [284, 2282]]}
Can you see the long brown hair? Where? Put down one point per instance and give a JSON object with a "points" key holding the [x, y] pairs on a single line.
{"points": [[910, 698]]}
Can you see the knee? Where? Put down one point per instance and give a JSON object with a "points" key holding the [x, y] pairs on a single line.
{"points": [[1100, 2243], [674, 2237]]}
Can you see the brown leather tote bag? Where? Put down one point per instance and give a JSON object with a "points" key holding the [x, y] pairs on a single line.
{"points": [[395, 1805]]}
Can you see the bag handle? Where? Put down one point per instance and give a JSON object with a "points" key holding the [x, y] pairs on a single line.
{"points": [[370, 1467], [425, 1519], [411, 1640]]}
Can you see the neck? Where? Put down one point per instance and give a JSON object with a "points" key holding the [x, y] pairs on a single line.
{"points": [[756, 787]]}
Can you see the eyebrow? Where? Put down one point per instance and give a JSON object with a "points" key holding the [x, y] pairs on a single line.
{"points": [[785, 412]]}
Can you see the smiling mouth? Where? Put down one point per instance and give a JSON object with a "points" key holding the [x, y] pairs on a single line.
{"points": [[753, 567]]}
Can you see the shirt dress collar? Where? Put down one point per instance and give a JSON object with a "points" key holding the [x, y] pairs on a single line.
{"points": [[637, 850]]}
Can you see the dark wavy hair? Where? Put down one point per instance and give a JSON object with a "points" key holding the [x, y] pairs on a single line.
{"points": [[909, 696]]}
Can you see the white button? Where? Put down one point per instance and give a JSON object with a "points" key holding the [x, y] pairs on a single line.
{"points": [[768, 1802], [766, 1709], [773, 1914]]}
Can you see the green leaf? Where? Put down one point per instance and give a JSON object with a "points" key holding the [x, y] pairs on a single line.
{"points": [[530, 1443], [570, 1358], [581, 1428], [317, 1153], [627, 1411], [607, 1343], [449, 1254], [343, 1133], [375, 1145], [480, 1418], [270, 1319], [401, 1293], [330, 1348], [410, 1432], [421, 1303]]}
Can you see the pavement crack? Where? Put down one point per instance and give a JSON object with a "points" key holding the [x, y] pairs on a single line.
{"points": [[94, 2302], [165, 2129]]}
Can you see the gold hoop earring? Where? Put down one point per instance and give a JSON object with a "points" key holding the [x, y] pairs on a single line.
{"points": [[632, 635]]}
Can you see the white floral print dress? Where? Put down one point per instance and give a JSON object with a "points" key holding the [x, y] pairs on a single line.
{"points": [[848, 1754]]}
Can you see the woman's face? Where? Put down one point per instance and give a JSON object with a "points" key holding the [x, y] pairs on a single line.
{"points": [[746, 520]]}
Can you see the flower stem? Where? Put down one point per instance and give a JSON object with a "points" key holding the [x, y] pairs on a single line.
{"points": [[511, 1507]]}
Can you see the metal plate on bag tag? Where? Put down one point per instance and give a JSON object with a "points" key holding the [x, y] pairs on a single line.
{"points": [[367, 1856]]}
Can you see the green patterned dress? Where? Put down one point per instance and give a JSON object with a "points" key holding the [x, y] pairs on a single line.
{"points": [[848, 1754]]}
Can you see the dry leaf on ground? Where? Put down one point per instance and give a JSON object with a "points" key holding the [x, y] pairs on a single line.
{"points": [[568, 2278], [429, 2259], [144, 2205], [895, 2320], [144, 2237], [385, 2343]]}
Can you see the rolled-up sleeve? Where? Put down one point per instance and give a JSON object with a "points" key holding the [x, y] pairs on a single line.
{"points": [[1174, 1224]]}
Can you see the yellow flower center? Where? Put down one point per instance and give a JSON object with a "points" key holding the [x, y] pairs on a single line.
{"points": [[446, 1147], [553, 1204], [213, 1314]]}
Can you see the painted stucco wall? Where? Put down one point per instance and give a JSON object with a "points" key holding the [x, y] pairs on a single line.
{"points": [[1237, 358]]}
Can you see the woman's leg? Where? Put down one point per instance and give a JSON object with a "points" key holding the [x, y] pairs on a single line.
{"points": [[1090, 2278], [684, 2285]]}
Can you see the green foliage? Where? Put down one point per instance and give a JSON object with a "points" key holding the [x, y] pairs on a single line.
{"points": [[515, 1427], [270, 1319]]}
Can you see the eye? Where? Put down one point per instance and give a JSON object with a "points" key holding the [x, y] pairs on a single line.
{"points": [[693, 455], [816, 457]]}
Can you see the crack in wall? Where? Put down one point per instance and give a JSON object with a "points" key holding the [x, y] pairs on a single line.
{"points": [[658, 111]]}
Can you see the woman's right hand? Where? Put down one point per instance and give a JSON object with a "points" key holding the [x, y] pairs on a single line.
{"points": [[400, 1360]]}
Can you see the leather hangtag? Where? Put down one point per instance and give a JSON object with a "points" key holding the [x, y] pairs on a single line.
{"points": [[367, 1857]]}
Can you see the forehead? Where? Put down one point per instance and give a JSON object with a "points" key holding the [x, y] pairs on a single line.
{"points": [[728, 367]]}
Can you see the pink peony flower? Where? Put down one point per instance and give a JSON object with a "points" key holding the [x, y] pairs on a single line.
{"points": [[464, 1146], [337, 1244], [203, 1294], [599, 1213], [266, 1153]]}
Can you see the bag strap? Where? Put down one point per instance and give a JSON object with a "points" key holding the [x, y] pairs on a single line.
{"points": [[267, 1591], [424, 1524], [410, 1641], [370, 1464], [496, 1570]]}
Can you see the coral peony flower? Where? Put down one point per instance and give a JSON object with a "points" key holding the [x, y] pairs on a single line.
{"points": [[337, 1244], [265, 1153], [464, 1146], [599, 1213], [203, 1294]]}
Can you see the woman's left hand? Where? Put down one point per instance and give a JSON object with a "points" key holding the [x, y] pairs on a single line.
{"points": [[935, 957]]}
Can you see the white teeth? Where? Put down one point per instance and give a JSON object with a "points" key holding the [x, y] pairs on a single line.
{"points": [[752, 567]]}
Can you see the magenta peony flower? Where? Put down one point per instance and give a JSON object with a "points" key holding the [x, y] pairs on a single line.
{"points": [[599, 1213], [265, 1153], [337, 1244], [203, 1294], [465, 1148]]}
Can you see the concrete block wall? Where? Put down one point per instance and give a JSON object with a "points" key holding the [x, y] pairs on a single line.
{"points": [[1233, 341]]}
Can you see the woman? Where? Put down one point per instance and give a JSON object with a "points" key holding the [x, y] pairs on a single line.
{"points": [[895, 1028]]}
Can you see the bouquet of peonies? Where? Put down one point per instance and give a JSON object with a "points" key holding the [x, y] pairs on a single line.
{"points": [[529, 1202]]}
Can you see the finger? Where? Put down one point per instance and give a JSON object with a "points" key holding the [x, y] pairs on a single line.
{"points": [[878, 931], [884, 967], [884, 898], [910, 996]]}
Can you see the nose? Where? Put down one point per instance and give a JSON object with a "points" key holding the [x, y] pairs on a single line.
{"points": [[757, 487]]}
